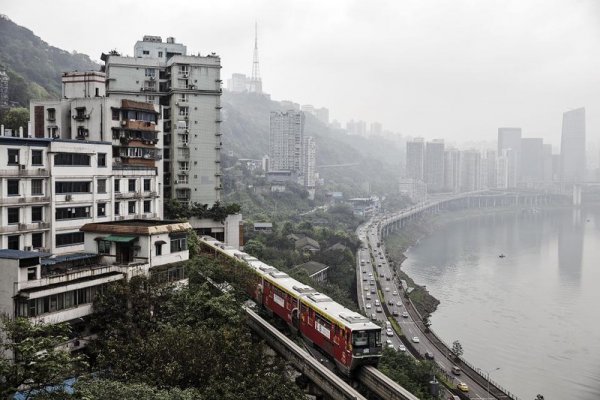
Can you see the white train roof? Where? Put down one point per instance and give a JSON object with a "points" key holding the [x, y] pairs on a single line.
{"points": [[320, 302]]}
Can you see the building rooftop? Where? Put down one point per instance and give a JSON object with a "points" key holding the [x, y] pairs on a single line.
{"points": [[20, 254], [312, 267], [137, 227]]}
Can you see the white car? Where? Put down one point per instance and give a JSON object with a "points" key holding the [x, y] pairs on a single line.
{"points": [[387, 289], [404, 314], [399, 304], [389, 332], [415, 339], [368, 306], [402, 347], [377, 302], [394, 293], [389, 344]]}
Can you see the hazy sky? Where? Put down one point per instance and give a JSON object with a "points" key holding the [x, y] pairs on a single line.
{"points": [[454, 69]]}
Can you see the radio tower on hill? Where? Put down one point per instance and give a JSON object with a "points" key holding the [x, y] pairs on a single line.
{"points": [[255, 81]]}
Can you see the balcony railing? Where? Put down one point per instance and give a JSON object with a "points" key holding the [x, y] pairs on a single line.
{"points": [[24, 200], [22, 171], [69, 276], [24, 227]]}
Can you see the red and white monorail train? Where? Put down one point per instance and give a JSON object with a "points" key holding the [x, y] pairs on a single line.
{"points": [[348, 337]]}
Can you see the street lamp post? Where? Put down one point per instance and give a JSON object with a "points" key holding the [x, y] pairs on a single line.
{"points": [[488, 378]]}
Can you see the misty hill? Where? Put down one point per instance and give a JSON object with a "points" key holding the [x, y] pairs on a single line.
{"points": [[378, 160], [33, 66]]}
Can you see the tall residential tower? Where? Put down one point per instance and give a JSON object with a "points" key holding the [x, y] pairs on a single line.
{"points": [[572, 146]]}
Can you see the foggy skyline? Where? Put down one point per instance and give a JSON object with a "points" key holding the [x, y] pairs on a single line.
{"points": [[455, 70]]}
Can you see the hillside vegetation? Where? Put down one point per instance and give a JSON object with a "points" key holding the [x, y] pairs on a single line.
{"points": [[33, 66]]}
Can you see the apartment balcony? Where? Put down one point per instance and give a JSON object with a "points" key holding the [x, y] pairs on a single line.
{"points": [[139, 125], [69, 276], [22, 228], [127, 195], [23, 170], [24, 200]]}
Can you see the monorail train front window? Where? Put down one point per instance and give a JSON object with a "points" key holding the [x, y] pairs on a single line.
{"points": [[366, 338]]}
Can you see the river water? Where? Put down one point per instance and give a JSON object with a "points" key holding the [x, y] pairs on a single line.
{"points": [[534, 314]]}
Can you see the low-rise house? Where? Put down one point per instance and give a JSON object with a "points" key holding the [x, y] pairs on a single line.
{"points": [[307, 244], [265, 227], [315, 270]]}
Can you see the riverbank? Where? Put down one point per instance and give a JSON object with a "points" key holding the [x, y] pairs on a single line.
{"points": [[399, 243]]}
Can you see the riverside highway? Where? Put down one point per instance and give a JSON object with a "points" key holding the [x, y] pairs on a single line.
{"points": [[375, 272]]}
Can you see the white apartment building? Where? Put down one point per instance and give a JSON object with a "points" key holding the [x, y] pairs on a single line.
{"points": [[310, 160], [189, 89], [62, 288], [286, 143]]}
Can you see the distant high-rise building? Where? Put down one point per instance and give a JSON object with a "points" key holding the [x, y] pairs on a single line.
{"points": [[506, 176], [572, 146], [491, 175], [548, 174], [286, 141], [322, 115], [434, 165], [376, 128], [532, 160], [308, 109], [309, 154], [3, 88], [238, 83], [415, 158], [452, 170], [510, 138], [470, 170]]}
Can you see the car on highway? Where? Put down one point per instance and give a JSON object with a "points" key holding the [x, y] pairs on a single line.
{"points": [[370, 274], [402, 347], [379, 310], [364, 271], [389, 344], [399, 304], [387, 289], [368, 297], [366, 288], [368, 306], [377, 302], [372, 290], [395, 312], [394, 293], [365, 279], [389, 332], [462, 387], [390, 302], [373, 317], [404, 314], [415, 339], [455, 370], [429, 355]]}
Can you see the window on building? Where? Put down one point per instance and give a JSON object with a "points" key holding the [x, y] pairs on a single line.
{"points": [[37, 188], [72, 212], [131, 207], [37, 240], [146, 52], [13, 215], [160, 54], [184, 166], [147, 206], [178, 244], [51, 114], [37, 214], [69, 239], [150, 72], [117, 185], [158, 248], [147, 185], [102, 159], [101, 185], [13, 156], [117, 208], [12, 187], [72, 187], [31, 273], [132, 185], [103, 247], [102, 209], [37, 157], [71, 159], [14, 242], [115, 114]]}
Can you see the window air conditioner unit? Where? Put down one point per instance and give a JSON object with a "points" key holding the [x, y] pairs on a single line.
{"points": [[22, 166], [152, 78], [68, 197], [123, 123], [186, 75], [27, 248]]}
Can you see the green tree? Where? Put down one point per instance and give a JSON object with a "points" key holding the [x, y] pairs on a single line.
{"points": [[16, 118], [30, 356], [457, 349]]}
